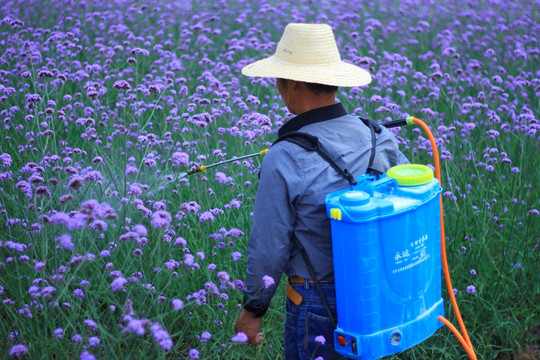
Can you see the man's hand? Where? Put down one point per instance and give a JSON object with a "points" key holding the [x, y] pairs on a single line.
{"points": [[250, 326]]}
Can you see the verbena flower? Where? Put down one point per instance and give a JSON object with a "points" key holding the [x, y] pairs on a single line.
{"points": [[194, 354], [85, 355], [118, 283], [18, 350], [91, 324], [268, 281], [205, 336], [161, 219], [240, 337], [93, 341], [177, 304], [320, 339]]}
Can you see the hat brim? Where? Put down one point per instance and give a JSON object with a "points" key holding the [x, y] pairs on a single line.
{"points": [[335, 74]]}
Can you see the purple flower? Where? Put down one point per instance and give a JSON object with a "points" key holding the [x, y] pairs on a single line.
{"points": [[205, 336], [180, 158], [59, 333], [64, 242], [240, 337], [121, 84], [161, 336], [92, 325], [130, 169], [206, 216], [473, 272], [78, 293], [93, 341], [222, 178], [161, 218], [47, 292], [118, 283], [139, 51], [180, 241], [135, 326], [517, 265], [320, 339], [236, 255], [194, 354], [177, 304], [234, 232], [38, 266], [76, 338], [18, 350], [140, 229], [223, 276], [189, 259], [471, 289], [6, 160], [268, 281], [59, 218], [87, 356]]}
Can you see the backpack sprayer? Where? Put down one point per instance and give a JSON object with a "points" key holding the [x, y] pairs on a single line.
{"points": [[386, 259]]}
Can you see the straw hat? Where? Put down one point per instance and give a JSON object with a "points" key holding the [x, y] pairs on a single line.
{"points": [[308, 52]]}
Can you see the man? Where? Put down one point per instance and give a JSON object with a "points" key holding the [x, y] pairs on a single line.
{"points": [[289, 208]]}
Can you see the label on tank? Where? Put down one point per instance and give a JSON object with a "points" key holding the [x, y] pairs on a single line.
{"points": [[415, 254]]}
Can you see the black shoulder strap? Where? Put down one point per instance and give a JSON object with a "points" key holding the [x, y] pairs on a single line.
{"points": [[311, 143], [373, 127], [314, 278]]}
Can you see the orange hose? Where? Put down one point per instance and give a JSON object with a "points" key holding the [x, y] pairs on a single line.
{"points": [[452, 328], [467, 342]]}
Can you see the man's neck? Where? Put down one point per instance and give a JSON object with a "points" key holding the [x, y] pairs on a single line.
{"points": [[315, 103], [303, 100]]}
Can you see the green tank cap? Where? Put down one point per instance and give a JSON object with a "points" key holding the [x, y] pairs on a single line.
{"points": [[410, 174]]}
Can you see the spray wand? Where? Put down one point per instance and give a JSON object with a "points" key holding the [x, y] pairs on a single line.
{"points": [[388, 125], [204, 167]]}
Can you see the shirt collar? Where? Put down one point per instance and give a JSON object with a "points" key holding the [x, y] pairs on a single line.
{"points": [[312, 117]]}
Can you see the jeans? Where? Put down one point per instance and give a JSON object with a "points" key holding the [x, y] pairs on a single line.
{"points": [[310, 319]]}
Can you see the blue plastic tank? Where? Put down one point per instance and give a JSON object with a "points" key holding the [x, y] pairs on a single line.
{"points": [[387, 261]]}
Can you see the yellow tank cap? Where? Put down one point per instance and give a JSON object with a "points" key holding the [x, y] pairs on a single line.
{"points": [[410, 174]]}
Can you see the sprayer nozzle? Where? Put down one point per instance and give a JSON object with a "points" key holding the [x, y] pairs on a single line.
{"points": [[196, 170]]}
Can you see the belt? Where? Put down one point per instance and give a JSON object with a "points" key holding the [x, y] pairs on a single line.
{"points": [[299, 280], [292, 294]]}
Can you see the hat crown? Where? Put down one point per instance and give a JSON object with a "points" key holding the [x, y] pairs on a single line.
{"points": [[308, 44]]}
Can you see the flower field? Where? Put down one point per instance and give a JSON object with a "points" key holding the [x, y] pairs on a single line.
{"points": [[109, 250]]}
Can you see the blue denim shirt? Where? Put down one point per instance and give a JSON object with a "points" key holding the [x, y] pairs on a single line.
{"points": [[291, 194]]}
